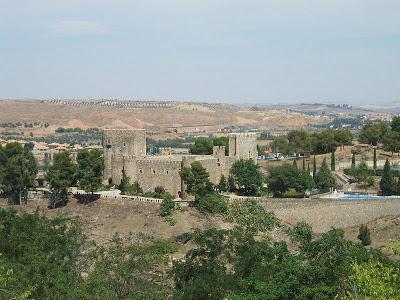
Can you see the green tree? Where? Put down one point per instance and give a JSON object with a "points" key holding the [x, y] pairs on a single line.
{"points": [[46, 162], [361, 172], [387, 181], [374, 160], [343, 137], [125, 182], [364, 235], [167, 205], [304, 182], [202, 146], [285, 177], [391, 142], [333, 161], [314, 167], [353, 160], [280, 145], [324, 178], [298, 141], [325, 142], [395, 124], [295, 163], [60, 176], [134, 189], [90, 169], [231, 184], [43, 254], [373, 133], [374, 280], [7, 291], [301, 233], [197, 180], [129, 270], [260, 150], [247, 176], [222, 141], [251, 216], [397, 189], [212, 203], [233, 264], [223, 184], [17, 171]]}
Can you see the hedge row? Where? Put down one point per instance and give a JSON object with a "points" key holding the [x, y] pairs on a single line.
{"points": [[378, 172]]}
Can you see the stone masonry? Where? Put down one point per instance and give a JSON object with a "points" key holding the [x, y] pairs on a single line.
{"points": [[125, 151]]}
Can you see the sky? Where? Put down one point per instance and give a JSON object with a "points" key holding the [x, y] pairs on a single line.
{"points": [[235, 51]]}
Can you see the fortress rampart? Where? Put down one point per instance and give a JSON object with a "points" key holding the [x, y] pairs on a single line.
{"points": [[125, 151]]}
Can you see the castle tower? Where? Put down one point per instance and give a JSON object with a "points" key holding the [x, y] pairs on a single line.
{"points": [[120, 147], [243, 145]]}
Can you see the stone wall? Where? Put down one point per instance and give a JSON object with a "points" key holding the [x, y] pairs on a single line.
{"points": [[125, 151], [118, 144], [243, 145], [159, 172]]}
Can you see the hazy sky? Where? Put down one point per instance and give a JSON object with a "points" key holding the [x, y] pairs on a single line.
{"points": [[206, 50]]}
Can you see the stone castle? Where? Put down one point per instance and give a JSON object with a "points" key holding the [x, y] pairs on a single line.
{"points": [[125, 151]]}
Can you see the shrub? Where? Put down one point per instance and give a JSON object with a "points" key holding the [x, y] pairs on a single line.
{"points": [[159, 190], [170, 220], [167, 206], [293, 194], [370, 181], [364, 235], [212, 203], [301, 233], [252, 216]]}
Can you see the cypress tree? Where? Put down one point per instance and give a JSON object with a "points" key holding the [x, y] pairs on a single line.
{"points": [[295, 163], [364, 235], [333, 163], [374, 159], [387, 180], [314, 167], [324, 178], [304, 163], [398, 186], [223, 184], [353, 160]]}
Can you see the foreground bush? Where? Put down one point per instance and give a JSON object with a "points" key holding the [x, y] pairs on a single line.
{"points": [[251, 216], [50, 259], [42, 253], [233, 264], [212, 203], [167, 205]]}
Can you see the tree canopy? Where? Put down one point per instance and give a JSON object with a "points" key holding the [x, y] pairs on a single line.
{"points": [[285, 177], [373, 133], [302, 142], [324, 178], [196, 179], [90, 169], [17, 171], [387, 183], [204, 146], [60, 176], [247, 175]]}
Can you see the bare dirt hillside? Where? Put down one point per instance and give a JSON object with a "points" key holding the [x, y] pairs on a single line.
{"points": [[104, 218], [131, 114]]}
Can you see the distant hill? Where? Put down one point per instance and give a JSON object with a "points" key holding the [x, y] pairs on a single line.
{"points": [[104, 113]]}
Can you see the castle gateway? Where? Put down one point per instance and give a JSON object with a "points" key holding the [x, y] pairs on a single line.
{"points": [[125, 151]]}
